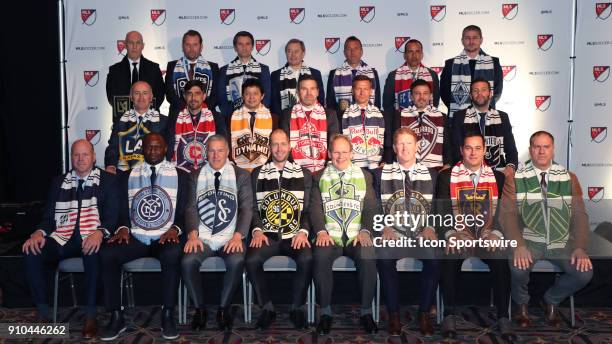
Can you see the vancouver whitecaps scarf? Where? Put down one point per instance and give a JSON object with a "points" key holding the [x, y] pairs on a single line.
{"points": [[237, 73], [250, 146], [280, 198], [366, 130], [67, 207], [429, 128], [343, 83], [495, 155], [547, 220], [201, 71], [288, 84], [131, 138], [461, 78], [190, 139], [404, 77], [152, 207], [308, 136]]}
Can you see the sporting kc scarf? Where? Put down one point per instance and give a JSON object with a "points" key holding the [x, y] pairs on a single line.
{"points": [[237, 73], [495, 155], [280, 198], [547, 220], [201, 71], [152, 207], [67, 205], [429, 128], [404, 77], [461, 78], [130, 140], [250, 146], [190, 140], [366, 130], [343, 83], [288, 84], [308, 136]]}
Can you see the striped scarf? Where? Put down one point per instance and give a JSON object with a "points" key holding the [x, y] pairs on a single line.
{"points": [[367, 134], [495, 155], [404, 77], [201, 71], [250, 146], [343, 83], [67, 207], [130, 140], [237, 73], [461, 78], [152, 207], [342, 193], [280, 198], [547, 221], [392, 193], [429, 128], [308, 136], [288, 84], [190, 141]]}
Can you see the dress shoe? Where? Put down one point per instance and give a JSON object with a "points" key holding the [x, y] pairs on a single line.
{"points": [[505, 329], [368, 324], [425, 326], [551, 312], [325, 323], [90, 327], [115, 326], [522, 316], [297, 319], [449, 327], [225, 321], [265, 319], [199, 319], [169, 330], [394, 326]]}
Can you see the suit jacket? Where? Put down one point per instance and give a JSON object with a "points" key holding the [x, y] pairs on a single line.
{"points": [[330, 98], [224, 105], [332, 123], [276, 97], [177, 102], [389, 91]]}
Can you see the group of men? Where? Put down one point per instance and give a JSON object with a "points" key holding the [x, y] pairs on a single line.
{"points": [[276, 172]]}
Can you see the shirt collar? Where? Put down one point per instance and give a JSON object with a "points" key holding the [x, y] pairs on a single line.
{"points": [[132, 61]]}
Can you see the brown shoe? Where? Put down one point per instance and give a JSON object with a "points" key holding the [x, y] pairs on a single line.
{"points": [[522, 316], [90, 328], [551, 312], [424, 324], [394, 326]]}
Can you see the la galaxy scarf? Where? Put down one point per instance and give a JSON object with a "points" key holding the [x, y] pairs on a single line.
{"points": [[130, 140], [461, 78], [404, 77], [308, 136], [367, 134], [495, 155], [288, 84], [250, 146], [237, 73], [201, 71], [343, 83], [190, 140], [429, 128]]}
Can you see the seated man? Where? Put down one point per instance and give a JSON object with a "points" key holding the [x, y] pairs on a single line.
{"points": [[154, 196], [81, 209], [281, 190], [342, 212], [218, 221]]}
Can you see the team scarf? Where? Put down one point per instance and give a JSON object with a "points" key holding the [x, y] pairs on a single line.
{"points": [[190, 140], [461, 78], [495, 155], [429, 128], [201, 71], [308, 136], [67, 207], [393, 197], [469, 200], [152, 207], [404, 77], [547, 220], [250, 146], [280, 199], [343, 83], [237, 73], [217, 210], [288, 84], [343, 194], [130, 140], [367, 134]]}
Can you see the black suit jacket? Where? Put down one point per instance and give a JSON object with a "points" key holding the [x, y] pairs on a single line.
{"points": [[176, 100]]}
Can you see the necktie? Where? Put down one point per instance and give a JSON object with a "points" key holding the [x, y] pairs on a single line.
{"points": [[252, 119], [217, 180], [153, 176], [473, 178], [134, 72], [407, 190], [345, 237], [483, 117], [191, 70], [79, 194], [363, 116], [420, 117], [544, 187]]}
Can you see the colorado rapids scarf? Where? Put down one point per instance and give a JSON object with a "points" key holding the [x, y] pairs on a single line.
{"points": [[237, 73], [152, 207], [342, 193], [367, 134], [495, 155], [461, 78], [218, 210], [288, 84], [429, 128], [404, 77], [392, 193], [137, 128], [308, 136], [67, 207], [343, 83], [467, 199], [280, 199], [250, 146], [201, 71], [190, 140], [547, 221]]}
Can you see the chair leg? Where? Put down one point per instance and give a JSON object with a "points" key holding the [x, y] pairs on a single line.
{"points": [[572, 311], [121, 289], [180, 305], [55, 292], [377, 310], [185, 303], [438, 306], [245, 300], [314, 301], [308, 299], [73, 290], [250, 291], [491, 301], [132, 299]]}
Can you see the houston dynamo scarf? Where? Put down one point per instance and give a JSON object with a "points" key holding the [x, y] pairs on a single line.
{"points": [[152, 207], [190, 139], [237, 73], [547, 221], [493, 133], [280, 199], [367, 134], [429, 128], [67, 207], [308, 136], [201, 71], [404, 77], [343, 83], [130, 140], [461, 78], [250, 146], [288, 84]]}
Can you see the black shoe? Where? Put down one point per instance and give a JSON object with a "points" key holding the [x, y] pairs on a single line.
{"points": [[265, 319], [225, 321], [324, 324], [449, 327], [369, 326], [297, 319], [115, 326], [199, 319], [169, 330]]}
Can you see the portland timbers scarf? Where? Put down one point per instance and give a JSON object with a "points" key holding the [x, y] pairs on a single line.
{"points": [[343, 83], [250, 146], [495, 155], [429, 128], [201, 71], [308, 136], [280, 199], [130, 140], [547, 221], [366, 130], [237, 73], [190, 140], [343, 193], [288, 84], [404, 77], [461, 78]]}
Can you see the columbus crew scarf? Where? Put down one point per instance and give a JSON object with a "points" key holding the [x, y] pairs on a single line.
{"points": [[367, 134], [190, 140], [429, 127], [308, 136], [67, 207], [495, 155], [404, 77], [461, 78], [343, 83], [201, 71], [136, 128], [288, 84], [237, 73], [250, 146]]}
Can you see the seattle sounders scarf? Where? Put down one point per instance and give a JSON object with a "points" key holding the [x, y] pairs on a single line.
{"points": [[392, 193], [547, 220], [237, 73], [67, 207], [366, 131], [308, 136], [429, 128], [190, 140], [288, 84], [280, 199], [343, 83], [343, 193], [152, 207], [250, 146], [461, 78], [130, 140], [404, 77], [201, 71], [495, 155], [218, 210]]}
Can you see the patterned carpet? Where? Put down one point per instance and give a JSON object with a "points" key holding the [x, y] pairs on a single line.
{"points": [[477, 326]]}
